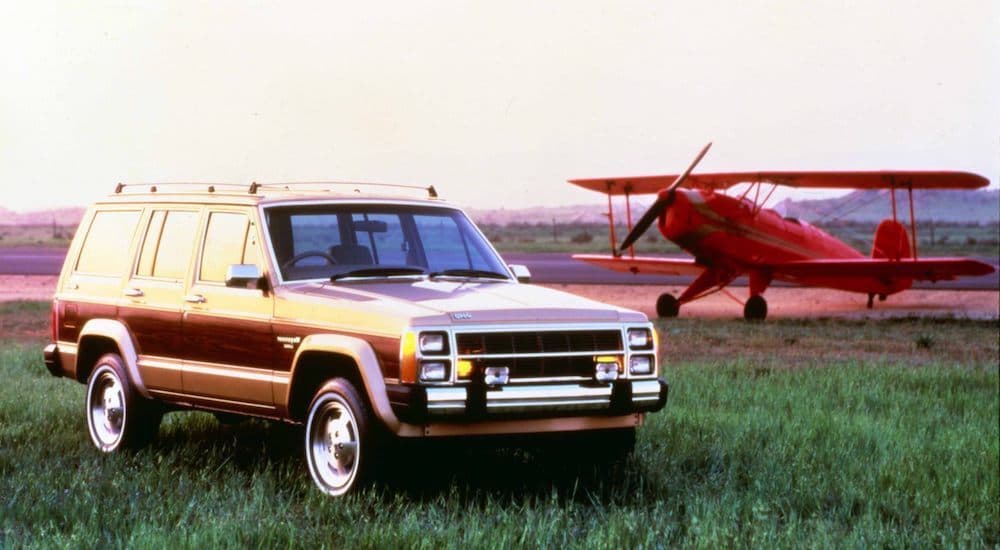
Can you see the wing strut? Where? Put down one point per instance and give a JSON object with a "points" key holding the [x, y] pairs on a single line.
{"points": [[913, 223], [628, 215], [611, 219]]}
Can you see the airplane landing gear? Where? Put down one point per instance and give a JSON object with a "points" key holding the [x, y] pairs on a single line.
{"points": [[871, 300], [667, 305], [755, 309]]}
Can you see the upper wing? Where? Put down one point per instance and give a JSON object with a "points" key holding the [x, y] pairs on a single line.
{"points": [[643, 264], [830, 180], [930, 269]]}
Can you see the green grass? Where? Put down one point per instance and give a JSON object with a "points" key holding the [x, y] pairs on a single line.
{"points": [[36, 235], [821, 433]]}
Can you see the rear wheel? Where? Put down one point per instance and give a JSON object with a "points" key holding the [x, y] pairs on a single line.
{"points": [[667, 305], [755, 309], [117, 416], [340, 443]]}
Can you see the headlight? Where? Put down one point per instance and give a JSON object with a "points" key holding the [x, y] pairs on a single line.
{"points": [[434, 371], [640, 364], [640, 338], [433, 343]]}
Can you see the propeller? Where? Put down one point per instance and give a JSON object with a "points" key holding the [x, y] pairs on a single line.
{"points": [[665, 199]]}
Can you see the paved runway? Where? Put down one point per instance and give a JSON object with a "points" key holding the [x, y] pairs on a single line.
{"points": [[545, 268]]}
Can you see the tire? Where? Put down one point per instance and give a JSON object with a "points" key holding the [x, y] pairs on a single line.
{"points": [[755, 309], [667, 306], [341, 444], [117, 416]]}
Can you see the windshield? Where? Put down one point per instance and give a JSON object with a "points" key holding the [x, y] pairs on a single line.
{"points": [[334, 240]]}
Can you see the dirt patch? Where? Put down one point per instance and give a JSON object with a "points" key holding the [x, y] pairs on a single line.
{"points": [[27, 287]]}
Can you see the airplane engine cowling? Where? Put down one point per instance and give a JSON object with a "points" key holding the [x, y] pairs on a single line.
{"points": [[891, 241]]}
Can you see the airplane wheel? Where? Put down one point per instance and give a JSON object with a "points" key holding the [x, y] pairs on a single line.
{"points": [[667, 306], [755, 309]]}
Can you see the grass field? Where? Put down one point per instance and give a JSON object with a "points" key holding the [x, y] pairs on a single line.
{"points": [[788, 433]]}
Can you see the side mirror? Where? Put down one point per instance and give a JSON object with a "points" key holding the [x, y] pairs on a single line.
{"points": [[244, 276], [521, 272]]}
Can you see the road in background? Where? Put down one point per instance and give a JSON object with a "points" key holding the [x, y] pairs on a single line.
{"points": [[548, 268], [31, 260]]}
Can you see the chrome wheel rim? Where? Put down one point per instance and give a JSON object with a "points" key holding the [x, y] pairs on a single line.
{"points": [[333, 445], [106, 409]]}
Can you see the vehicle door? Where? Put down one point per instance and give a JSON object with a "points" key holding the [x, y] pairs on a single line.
{"points": [[228, 343], [151, 298]]}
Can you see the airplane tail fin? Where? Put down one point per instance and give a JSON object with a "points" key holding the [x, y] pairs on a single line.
{"points": [[891, 241]]}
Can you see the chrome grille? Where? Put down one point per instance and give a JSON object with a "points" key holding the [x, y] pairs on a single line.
{"points": [[497, 343], [540, 354]]}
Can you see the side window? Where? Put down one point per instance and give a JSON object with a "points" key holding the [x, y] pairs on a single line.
{"points": [[229, 240], [167, 247], [105, 249], [149, 243]]}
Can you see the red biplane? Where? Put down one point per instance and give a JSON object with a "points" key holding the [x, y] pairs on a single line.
{"points": [[731, 236]]}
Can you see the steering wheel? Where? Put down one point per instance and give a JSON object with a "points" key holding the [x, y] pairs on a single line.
{"points": [[309, 254]]}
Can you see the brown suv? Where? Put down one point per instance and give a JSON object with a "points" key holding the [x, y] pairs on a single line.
{"points": [[364, 316]]}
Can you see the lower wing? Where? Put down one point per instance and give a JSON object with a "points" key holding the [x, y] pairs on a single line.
{"points": [[929, 269], [643, 264]]}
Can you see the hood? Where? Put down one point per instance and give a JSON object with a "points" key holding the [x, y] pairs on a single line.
{"points": [[446, 301]]}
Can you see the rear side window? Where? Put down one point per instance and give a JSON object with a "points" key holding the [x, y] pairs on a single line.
{"points": [[166, 250], [228, 240], [105, 250]]}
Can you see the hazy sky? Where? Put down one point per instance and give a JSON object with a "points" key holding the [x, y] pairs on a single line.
{"points": [[495, 103]]}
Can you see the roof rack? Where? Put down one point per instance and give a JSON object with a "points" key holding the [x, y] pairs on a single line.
{"points": [[306, 186], [185, 187]]}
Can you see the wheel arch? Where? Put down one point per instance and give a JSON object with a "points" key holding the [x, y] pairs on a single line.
{"points": [[324, 356], [100, 336]]}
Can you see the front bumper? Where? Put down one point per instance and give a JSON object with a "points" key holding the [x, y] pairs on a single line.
{"points": [[419, 404]]}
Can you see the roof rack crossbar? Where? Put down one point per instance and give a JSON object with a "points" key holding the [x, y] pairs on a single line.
{"points": [[288, 186], [185, 187]]}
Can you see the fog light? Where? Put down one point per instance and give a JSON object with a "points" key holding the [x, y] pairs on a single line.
{"points": [[606, 372], [433, 371], [432, 342], [639, 338], [640, 364], [496, 376]]}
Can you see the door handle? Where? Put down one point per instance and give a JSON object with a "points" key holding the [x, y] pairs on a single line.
{"points": [[195, 299], [132, 292]]}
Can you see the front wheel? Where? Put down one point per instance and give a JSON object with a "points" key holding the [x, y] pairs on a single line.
{"points": [[117, 416], [339, 438]]}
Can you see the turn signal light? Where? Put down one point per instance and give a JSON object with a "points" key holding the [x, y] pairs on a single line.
{"points": [[464, 368]]}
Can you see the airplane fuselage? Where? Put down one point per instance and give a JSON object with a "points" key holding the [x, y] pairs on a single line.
{"points": [[730, 233]]}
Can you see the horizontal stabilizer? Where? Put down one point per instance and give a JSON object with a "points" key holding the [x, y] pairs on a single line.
{"points": [[645, 265], [887, 179], [930, 269]]}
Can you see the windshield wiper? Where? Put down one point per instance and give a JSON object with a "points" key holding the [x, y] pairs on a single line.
{"points": [[378, 272], [468, 273]]}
